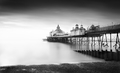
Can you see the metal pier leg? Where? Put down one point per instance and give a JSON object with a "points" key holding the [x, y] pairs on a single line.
{"points": [[87, 43], [84, 40], [102, 42], [110, 41], [79, 40], [99, 42], [99, 39], [76, 40], [79, 43], [117, 42], [106, 40], [92, 43]]}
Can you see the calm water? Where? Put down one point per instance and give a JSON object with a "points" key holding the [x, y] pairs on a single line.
{"points": [[36, 51]]}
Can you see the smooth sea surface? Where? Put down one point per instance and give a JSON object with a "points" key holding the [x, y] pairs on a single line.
{"points": [[37, 51]]}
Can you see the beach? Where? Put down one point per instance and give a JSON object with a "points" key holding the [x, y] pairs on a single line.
{"points": [[95, 67]]}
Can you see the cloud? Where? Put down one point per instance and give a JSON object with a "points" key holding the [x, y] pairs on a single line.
{"points": [[15, 24], [8, 6], [15, 20]]}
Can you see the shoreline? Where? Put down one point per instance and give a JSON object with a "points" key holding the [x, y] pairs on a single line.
{"points": [[94, 67]]}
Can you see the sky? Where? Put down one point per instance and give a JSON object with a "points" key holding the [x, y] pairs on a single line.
{"points": [[45, 15], [26, 22]]}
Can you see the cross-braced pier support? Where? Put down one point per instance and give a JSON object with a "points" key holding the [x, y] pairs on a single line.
{"points": [[98, 46]]}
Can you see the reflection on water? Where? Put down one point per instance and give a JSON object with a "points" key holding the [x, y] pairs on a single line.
{"points": [[28, 52]]}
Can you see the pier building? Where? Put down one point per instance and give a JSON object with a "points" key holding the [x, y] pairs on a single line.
{"points": [[57, 32], [77, 30]]}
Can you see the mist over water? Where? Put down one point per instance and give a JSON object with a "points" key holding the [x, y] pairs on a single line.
{"points": [[27, 48]]}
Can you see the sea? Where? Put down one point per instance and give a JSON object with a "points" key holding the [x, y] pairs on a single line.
{"points": [[37, 52]]}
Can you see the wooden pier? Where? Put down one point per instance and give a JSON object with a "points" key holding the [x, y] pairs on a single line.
{"points": [[99, 36]]}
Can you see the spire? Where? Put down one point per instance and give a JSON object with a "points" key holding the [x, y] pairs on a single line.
{"points": [[58, 27]]}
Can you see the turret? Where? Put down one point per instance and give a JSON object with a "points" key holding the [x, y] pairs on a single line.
{"points": [[58, 27], [76, 26], [81, 26]]}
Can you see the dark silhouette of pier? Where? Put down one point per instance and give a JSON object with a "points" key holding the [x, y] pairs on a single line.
{"points": [[92, 37]]}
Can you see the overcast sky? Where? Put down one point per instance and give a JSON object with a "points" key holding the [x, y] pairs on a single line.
{"points": [[47, 14]]}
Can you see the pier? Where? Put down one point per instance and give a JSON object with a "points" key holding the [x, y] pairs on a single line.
{"points": [[102, 37]]}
